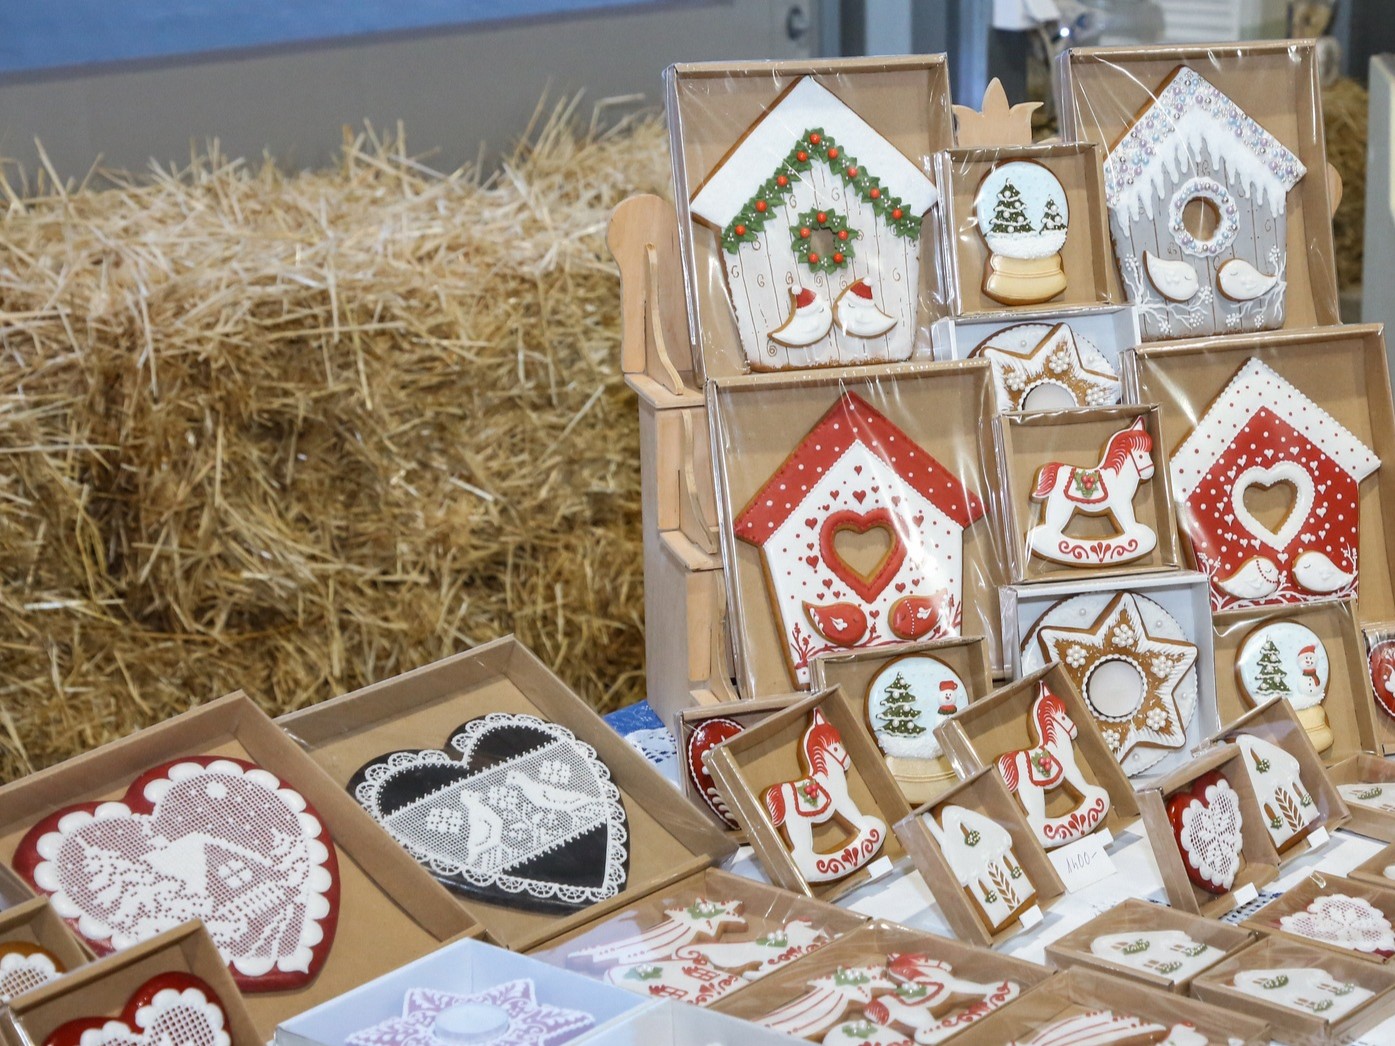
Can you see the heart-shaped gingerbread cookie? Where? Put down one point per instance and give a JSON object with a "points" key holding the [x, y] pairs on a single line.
{"points": [[1206, 821], [526, 816], [203, 837], [171, 1008]]}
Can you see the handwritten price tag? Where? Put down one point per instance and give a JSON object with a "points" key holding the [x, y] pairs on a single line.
{"points": [[1082, 863]]}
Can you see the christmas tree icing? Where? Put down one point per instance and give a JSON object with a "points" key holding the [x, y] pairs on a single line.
{"points": [[1273, 680]]}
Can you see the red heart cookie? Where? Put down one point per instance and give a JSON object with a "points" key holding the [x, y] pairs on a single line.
{"points": [[706, 736], [205, 837], [1206, 821], [169, 1008]]}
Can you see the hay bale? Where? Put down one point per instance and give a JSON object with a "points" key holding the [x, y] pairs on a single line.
{"points": [[298, 433], [1344, 110]]}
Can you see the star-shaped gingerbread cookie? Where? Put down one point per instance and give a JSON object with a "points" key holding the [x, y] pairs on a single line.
{"points": [[1033, 370], [1127, 676]]}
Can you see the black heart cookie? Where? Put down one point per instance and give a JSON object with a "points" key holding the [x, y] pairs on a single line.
{"points": [[526, 816]]}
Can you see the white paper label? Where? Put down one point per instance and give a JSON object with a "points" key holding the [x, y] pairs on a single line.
{"points": [[1082, 863], [1317, 838], [879, 867], [1245, 894], [1031, 917]]}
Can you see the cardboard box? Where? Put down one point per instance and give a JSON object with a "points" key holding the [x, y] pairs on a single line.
{"points": [[1135, 915], [758, 424], [461, 968], [1312, 890], [1000, 977], [1342, 370], [419, 710], [770, 754], [855, 672], [792, 925], [390, 910], [1362, 775], [1102, 89], [1001, 723], [1379, 868], [674, 1024], [1379, 648], [1299, 1028], [1025, 442], [102, 988], [13, 889], [710, 107], [1347, 708], [35, 923], [1090, 279], [985, 795], [1275, 722], [1261, 860], [1080, 990]]}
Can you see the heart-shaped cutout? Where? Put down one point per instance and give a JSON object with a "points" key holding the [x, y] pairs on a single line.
{"points": [[203, 837], [176, 1008], [526, 816], [1264, 478], [1206, 821], [24, 967], [865, 574]]}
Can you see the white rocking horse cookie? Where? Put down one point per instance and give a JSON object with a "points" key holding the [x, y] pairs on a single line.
{"points": [[1044, 366], [700, 920], [1024, 218], [979, 852], [1135, 668], [1106, 490], [1277, 779], [1049, 765], [1171, 954], [797, 807], [905, 702], [1287, 659], [1307, 989]]}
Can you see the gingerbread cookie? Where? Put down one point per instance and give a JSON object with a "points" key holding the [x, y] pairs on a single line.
{"points": [[979, 852], [818, 219], [1262, 432], [861, 535], [1277, 779], [930, 1004], [1042, 366], [904, 703], [507, 1014], [1373, 795], [1206, 821], [707, 735], [24, 967], [1343, 921], [1287, 659], [1163, 953], [1023, 217], [1381, 662], [700, 920], [1307, 989], [827, 1000], [1197, 193], [797, 807], [1101, 1027], [168, 1008], [1134, 666], [1049, 765], [1106, 489]]}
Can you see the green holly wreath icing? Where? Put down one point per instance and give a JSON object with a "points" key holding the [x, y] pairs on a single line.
{"points": [[802, 239]]}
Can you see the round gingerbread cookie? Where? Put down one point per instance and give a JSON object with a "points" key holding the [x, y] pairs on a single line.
{"points": [[1381, 661], [1047, 366]]}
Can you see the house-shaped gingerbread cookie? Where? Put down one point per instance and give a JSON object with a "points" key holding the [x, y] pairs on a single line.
{"points": [[861, 537], [1261, 432], [818, 217], [1197, 194]]}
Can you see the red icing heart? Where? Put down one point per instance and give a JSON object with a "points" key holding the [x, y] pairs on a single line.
{"points": [[168, 1008], [813, 561], [1206, 822], [206, 836], [842, 624], [867, 586], [706, 736]]}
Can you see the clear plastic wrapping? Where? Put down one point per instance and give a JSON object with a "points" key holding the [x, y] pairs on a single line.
{"points": [[1379, 640], [1348, 916], [700, 939], [801, 192], [1216, 181], [852, 513]]}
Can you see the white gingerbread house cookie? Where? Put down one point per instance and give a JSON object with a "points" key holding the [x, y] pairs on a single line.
{"points": [[979, 851], [1307, 989], [1261, 431], [1288, 808], [1166, 953], [818, 217], [1191, 144], [856, 473]]}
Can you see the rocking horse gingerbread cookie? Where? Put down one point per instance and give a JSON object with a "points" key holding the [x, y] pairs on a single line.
{"points": [[796, 808], [1049, 766], [930, 1004], [1105, 490]]}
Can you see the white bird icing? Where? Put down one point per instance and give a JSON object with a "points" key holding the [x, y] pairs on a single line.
{"points": [[857, 314], [1257, 578], [1241, 281], [1175, 280], [1317, 573], [810, 319]]}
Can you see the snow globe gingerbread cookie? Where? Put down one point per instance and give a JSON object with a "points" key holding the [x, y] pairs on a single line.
{"points": [[1287, 659], [904, 703], [1024, 218]]}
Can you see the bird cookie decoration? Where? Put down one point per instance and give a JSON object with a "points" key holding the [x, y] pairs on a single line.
{"points": [[797, 807], [1023, 216], [1206, 821], [1169, 954], [904, 704], [818, 218], [523, 813], [857, 484], [1105, 490], [170, 1008], [1307, 989], [24, 967], [206, 837], [1041, 366], [1191, 151], [979, 852], [1287, 659], [1263, 432], [1031, 774], [1277, 780]]}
